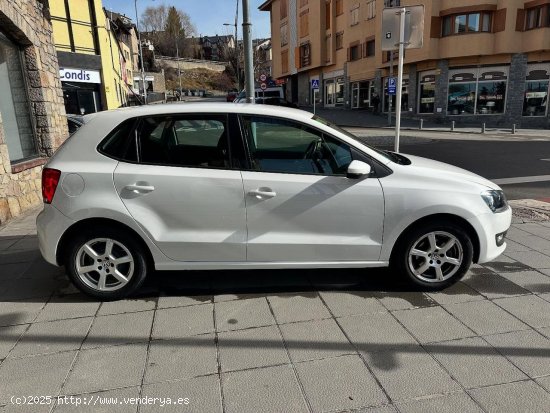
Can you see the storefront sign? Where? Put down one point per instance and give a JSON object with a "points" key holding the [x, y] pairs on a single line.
{"points": [[79, 75]]}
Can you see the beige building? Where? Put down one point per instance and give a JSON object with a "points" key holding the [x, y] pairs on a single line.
{"points": [[481, 60]]}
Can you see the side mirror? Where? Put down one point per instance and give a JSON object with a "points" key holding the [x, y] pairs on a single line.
{"points": [[358, 169]]}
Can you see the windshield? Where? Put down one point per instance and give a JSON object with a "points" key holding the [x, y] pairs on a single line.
{"points": [[385, 154]]}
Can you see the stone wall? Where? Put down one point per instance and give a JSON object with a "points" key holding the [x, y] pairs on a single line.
{"points": [[188, 64], [27, 24]]}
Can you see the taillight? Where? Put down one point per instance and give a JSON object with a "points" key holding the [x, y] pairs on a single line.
{"points": [[50, 179]]}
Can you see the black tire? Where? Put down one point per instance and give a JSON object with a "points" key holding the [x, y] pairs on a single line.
{"points": [[133, 247], [400, 264]]}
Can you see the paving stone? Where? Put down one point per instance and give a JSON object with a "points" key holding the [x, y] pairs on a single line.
{"points": [[523, 396], [309, 340], [7, 257], [266, 390], [117, 329], [530, 280], [183, 321], [109, 401], [410, 372], [202, 394], [504, 263], [293, 307], [528, 350], [181, 358], [535, 229], [11, 272], [432, 324], [240, 314], [9, 336], [456, 293], [484, 317], [19, 312], [68, 306], [339, 383], [388, 408], [344, 303], [402, 300], [26, 243], [530, 309], [250, 348], [218, 298], [533, 259], [494, 286], [39, 375], [52, 337], [529, 242], [127, 306], [378, 332], [473, 363], [106, 368], [448, 403], [182, 300], [518, 245], [32, 288]]}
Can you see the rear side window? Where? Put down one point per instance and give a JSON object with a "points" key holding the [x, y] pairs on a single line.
{"points": [[120, 143], [193, 141]]}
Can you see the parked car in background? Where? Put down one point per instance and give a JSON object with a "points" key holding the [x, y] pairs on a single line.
{"points": [[193, 186], [232, 95]]}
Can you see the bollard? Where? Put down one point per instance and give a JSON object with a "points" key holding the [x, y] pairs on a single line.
{"points": [[513, 129], [483, 127], [453, 125], [421, 124]]}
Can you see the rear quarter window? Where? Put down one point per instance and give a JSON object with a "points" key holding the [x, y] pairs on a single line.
{"points": [[120, 143]]}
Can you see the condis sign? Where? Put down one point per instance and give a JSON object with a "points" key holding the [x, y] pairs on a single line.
{"points": [[79, 75]]}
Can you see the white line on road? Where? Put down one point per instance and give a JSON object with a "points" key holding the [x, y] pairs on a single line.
{"points": [[521, 180]]}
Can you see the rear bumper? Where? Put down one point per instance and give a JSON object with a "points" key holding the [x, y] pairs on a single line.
{"points": [[50, 226], [487, 227]]}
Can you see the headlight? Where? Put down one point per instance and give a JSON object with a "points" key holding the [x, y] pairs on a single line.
{"points": [[495, 200]]}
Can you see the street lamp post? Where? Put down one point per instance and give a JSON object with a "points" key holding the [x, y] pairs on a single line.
{"points": [[248, 62], [141, 55], [237, 51]]}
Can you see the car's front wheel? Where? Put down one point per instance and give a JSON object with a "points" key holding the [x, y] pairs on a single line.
{"points": [[106, 264], [434, 256]]}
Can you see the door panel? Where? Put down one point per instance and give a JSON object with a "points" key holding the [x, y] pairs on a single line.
{"points": [[191, 214], [313, 218]]}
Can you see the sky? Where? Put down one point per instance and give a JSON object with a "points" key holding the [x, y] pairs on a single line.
{"points": [[208, 16]]}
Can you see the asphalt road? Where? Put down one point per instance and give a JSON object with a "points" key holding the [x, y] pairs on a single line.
{"points": [[493, 159]]}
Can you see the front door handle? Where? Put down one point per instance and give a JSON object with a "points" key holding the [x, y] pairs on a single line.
{"points": [[261, 193], [140, 189]]}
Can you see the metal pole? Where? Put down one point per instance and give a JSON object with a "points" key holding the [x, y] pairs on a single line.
{"points": [[403, 13], [141, 55], [237, 51], [314, 101], [248, 62], [388, 87]]}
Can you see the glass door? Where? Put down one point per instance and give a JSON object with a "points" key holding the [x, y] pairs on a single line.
{"points": [[329, 93]]}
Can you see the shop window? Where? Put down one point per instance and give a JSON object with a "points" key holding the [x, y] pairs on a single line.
{"points": [[371, 9], [477, 91], [537, 84], [14, 106], [354, 16], [466, 23], [339, 40], [426, 93]]}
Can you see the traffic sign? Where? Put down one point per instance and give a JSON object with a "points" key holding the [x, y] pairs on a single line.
{"points": [[263, 86], [263, 77], [392, 86], [315, 83], [414, 27]]}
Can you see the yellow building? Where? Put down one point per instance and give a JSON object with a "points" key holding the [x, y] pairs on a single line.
{"points": [[92, 62]]}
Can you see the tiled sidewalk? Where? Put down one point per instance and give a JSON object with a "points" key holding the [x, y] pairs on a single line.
{"points": [[281, 341]]}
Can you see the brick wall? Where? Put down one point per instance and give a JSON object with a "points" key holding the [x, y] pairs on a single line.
{"points": [[27, 24]]}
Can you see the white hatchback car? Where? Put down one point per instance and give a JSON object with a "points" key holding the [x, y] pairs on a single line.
{"points": [[223, 186]]}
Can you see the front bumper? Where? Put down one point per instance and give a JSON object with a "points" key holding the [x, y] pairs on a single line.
{"points": [[51, 224], [487, 227]]}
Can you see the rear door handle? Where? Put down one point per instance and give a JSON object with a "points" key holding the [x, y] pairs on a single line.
{"points": [[263, 193], [140, 189]]}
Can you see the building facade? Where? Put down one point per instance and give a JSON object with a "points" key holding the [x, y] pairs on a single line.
{"points": [[91, 59], [32, 121], [483, 61]]}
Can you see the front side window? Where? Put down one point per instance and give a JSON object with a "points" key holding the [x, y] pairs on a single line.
{"points": [[279, 145], [14, 107], [194, 141]]}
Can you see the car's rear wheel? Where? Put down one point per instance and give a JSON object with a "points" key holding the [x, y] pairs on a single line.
{"points": [[106, 264], [434, 256]]}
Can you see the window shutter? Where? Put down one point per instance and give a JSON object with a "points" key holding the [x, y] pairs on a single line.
{"points": [[297, 57], [520, 21], [349, 54], [499, 24], [435, 29]]}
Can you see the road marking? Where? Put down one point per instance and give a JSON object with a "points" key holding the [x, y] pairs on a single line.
{"points": [[547, 159], [521, 180]]}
